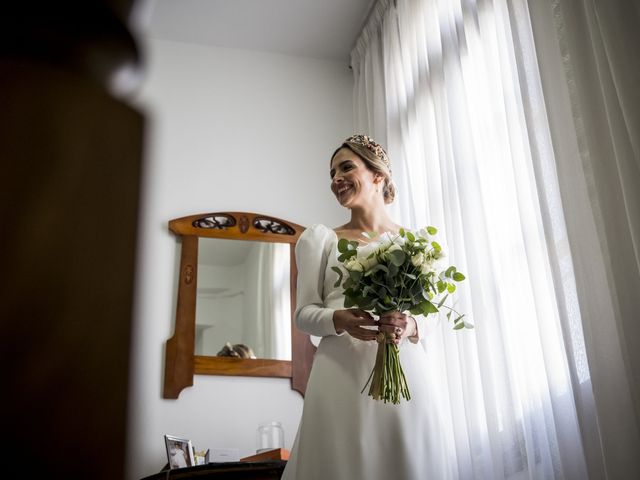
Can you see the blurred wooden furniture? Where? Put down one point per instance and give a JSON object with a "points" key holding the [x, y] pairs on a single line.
{"points": [[269, 470], [275, 454], [70, 153]]}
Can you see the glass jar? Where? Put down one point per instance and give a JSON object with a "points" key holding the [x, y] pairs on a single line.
{"points": [[270, 436]]}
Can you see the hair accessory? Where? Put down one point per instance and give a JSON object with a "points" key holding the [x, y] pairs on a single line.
{"points": [[369, 144]]}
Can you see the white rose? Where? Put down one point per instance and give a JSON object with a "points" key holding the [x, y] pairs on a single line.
{"points": [[423, 233], [353, 265], [441, 254], [428, 267], [394, 247], [366, 251], [418, 259]]}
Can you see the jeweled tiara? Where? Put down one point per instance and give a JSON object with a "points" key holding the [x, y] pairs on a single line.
{"points": [[372, 146]]}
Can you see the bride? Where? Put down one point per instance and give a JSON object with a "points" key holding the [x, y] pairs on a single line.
{"points": [[343, 433]]}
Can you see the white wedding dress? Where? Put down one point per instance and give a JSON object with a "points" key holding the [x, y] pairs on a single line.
{"points": [[345, 434]]}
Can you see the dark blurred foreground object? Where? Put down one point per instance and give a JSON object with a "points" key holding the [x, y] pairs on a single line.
{"points": [[71, 159], [263, 470], [90, 38]]}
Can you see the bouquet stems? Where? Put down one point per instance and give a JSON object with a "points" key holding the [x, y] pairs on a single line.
{"points": [[388, 382]]}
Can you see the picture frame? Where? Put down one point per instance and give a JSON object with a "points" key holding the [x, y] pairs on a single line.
{"points": [[179, 452]]}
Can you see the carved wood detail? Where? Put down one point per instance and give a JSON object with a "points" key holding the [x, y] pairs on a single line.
{"points": [[219, 221], [272, 225], [244, 224]]}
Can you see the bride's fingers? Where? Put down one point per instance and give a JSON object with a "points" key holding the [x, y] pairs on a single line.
{"points": [[392, 328], [365, 321], [363, 313], [391, 317], [363, 334], [395, 322]]}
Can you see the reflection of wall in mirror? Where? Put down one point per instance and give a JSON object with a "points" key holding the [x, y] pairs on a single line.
{"points": [[219, 308]]}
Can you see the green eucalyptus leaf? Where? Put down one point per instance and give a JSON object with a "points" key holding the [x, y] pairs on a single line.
{"points": [[343, 245], [458, 277], [347, 255], [449, 271], [436, 246], [379, 267], [411, 236], [355, 276], [441, 302], [416, 290], [402, 232], [451, 287], [397, 257], [339, 272], [428, 307], [441, 286], [393, 270], [459, 326], [432, 230]]}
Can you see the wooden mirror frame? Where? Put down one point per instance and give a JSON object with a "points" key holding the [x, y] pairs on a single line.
{"points": [[181, 362]]}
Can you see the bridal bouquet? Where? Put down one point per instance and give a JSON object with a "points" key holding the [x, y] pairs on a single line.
{"points": [[396, 272]]}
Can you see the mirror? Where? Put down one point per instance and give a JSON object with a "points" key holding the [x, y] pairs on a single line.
{"points": [[243, 297], [237, 285]]}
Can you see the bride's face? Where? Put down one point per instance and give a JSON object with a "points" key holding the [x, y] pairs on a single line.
{"points": [[352, 182]]}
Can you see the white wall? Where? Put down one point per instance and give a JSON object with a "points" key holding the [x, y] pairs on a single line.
{"points": [[214, 311], [227, 130]]}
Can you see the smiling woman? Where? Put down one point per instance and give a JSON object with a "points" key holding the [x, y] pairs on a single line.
{"points": [[337, 417], [235, 90]]}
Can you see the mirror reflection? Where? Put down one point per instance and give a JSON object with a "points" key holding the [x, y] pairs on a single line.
{"points": [[243, 299]]}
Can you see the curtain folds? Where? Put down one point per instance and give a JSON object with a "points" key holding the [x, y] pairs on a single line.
{"points": [[453, 89], [587, 53], [268, 310]]}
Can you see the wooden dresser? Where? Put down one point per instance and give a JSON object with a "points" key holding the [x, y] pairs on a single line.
{"points": [[270, 470]]}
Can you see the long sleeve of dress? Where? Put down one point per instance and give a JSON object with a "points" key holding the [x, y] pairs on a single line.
{"points": [[421, 327], [311, 257]]}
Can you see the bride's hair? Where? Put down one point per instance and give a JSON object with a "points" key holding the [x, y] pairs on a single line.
{"points": [[238, 350]]}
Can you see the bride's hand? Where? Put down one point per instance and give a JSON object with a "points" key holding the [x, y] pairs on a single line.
{"points": [[398, 324], [352, 321]]}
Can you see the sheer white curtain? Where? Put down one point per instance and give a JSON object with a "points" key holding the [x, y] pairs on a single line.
{"points": [[587, 51], [267, 323], [452, 88]]}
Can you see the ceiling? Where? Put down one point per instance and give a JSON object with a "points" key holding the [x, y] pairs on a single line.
{"points": [[325, 29]]}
